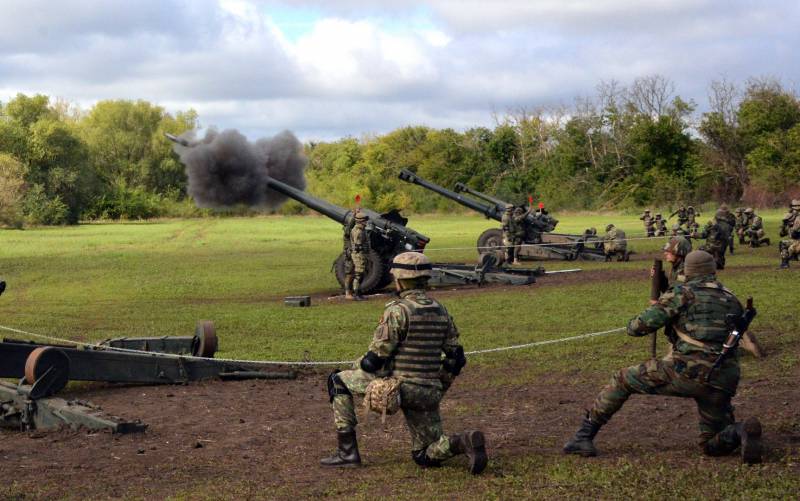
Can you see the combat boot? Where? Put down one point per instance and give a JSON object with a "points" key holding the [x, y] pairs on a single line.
{"points": [[784, 264], [765, 241], [357, 291], [473, 444], [581, 443], [750, 433], [346, 455]]}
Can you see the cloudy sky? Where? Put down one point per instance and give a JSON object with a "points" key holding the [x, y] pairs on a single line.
{"points": [[329, 69]]}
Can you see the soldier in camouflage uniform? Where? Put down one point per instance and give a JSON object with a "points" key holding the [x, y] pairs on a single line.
{"points": [[649, 223], [675, 252], [359, 247], [679, 231], [508, 232], [742, 222], [697, 311], [755, 230], [417, 342], [661, 226], [518, 230], [691, 220], [790, 217], [716, 233], [731, 220], [615, 244], [683, 216], [349, 270], [790, 249]]}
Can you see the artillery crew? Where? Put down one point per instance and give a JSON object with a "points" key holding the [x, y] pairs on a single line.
{"points": [[508, 232], [615, 244], [404, 369], [790, 249], [698, 310], [518, 230], [661, 226], [649, 223], [682, 214], [716, 232], [788, 220]]}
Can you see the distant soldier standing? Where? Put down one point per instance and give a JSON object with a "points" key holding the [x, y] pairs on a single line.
{"points": [[682, 215], [507, 225], [691, 220], [518, 231], [349, 270], [731, 220], [359, 247], [615, 244], [716, 233], [416, 346], [661, 226], [755, 231], [649, 226], [697, 309]]}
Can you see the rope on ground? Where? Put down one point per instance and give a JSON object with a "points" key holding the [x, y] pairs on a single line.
{"points": [[290, 363]]}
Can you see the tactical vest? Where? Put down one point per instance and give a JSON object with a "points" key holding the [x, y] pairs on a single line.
{"points": [[419, 355], [358, 239], [704, 319]]}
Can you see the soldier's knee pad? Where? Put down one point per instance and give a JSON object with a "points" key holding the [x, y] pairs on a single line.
{"points": [[336, 386], [422, 459]]}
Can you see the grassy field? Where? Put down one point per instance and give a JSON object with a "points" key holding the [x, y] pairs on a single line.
{"points": [[97, 281]]}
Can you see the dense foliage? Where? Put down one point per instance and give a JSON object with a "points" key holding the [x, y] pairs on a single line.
{"points": [[624, 147]]}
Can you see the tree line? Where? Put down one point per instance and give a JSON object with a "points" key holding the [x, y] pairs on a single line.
{"points": [[622, 147]]}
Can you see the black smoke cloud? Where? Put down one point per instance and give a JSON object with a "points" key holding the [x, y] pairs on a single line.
{"points": [[225, 169]]}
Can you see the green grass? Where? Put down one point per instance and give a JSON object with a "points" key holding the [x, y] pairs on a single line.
{"points": [[96, 281]]}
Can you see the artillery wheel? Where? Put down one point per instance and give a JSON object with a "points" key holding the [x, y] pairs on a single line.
{"points": [[50, 362], [206, 339], [490, 240], [373, 272]]}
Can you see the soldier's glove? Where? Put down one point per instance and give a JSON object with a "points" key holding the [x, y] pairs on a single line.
{"points": [[454, 360], [371, 362]]}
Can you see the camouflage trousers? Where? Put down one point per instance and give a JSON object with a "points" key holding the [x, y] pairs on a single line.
{"points": [[420, 406], [790, 249], [661, 377]]}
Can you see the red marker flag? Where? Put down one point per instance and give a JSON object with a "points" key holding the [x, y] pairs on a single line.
{"points": [[541, 205], [358, 199]]}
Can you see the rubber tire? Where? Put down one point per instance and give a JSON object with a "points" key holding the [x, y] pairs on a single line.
{"points": [[206, 334], [374, 273], [490, 240], [40, 361]]}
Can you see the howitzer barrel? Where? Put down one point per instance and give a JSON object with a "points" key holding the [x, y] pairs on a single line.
{"points": [[501, 204], [338, 214], [487, 210]]}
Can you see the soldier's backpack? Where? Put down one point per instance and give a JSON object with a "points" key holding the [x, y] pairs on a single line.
{"points": [[383, 396]]}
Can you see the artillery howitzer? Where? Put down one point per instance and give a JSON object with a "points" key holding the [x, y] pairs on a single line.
{"points": [[388, 234], [539, 241], [45, 369]]}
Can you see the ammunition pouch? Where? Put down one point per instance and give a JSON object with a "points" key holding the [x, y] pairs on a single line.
{"points": [[371, 362], [336, 386], [454, 361], [422, 459]]}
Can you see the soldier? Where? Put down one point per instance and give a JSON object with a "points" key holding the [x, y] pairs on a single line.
{"points": [[697, 310], [349, 270], [675, 252], [716, 233], [679, 231], [615, 244], [755, 231], [691, 220], [508, 232], [518, 231], [731, 220], [661, 226], [790, 249], [741, 224], [789, 218], [649, 226], [682, 215], [408, 344], [359, 247]]}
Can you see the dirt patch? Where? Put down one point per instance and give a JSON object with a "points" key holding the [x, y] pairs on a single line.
{"points": [[270, 434]]}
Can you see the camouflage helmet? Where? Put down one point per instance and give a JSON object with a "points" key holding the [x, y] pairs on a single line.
{"points": [[680, 246], [518, 209], [360, 216], [647, 211], [509, 208], [724, 207], [609, 227], [739, 210], [658, 216], [720, 214], [795, 204], [411, 265], [748, 210], [699, 263]]}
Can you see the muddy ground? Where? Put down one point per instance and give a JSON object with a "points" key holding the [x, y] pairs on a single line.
{"points": [[271, 434]]}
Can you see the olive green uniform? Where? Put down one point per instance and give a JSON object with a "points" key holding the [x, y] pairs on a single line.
{"points": [[508, 234], [716, 232], [615, 244], [790, 249], [412, 335], [359, 247], [696, 310], [756, 232], [661, 226], [649, 223]]}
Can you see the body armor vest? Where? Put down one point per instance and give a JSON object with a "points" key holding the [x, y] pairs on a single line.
{"points": [[705, 318], [419, 355], [358, 239]]}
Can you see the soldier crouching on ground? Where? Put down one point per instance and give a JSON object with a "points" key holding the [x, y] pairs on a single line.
{"points": [[615, 244], [790, 249], [407, 352], [698, 311]]}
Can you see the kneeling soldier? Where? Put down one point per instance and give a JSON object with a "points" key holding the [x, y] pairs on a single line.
{"points": [[416, 345], [698, 311]]}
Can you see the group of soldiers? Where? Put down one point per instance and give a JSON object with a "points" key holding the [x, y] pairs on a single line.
{"points": [[654, 226], [415, 356]]}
